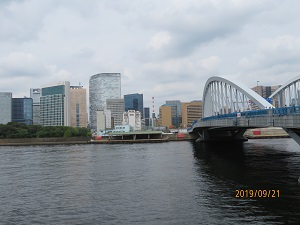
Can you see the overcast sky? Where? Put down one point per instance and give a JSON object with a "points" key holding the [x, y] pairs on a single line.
{"points": [[162, 48]]}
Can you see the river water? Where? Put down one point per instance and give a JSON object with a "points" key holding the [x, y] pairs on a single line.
{"points": [[159, 183]]}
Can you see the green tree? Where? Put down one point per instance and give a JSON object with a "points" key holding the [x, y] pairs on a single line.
{"points": [[33, 129], [74, 131], [42, 133], [83, 132], [8, 131], [67, 133]]}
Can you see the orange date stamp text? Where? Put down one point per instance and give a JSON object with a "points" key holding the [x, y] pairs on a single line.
{"points": [[257, 193]]}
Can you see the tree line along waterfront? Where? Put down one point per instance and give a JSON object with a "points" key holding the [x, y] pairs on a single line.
{"points": [[21, 130]]}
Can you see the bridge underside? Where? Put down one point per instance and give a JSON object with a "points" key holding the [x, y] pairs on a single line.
{"points": [[219, 134], [294, 133]]}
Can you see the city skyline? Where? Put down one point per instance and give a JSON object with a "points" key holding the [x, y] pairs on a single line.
{"points": [[170, 113], [164, 101], [156, 46]]}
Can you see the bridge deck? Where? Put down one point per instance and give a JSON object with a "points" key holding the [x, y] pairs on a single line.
{"points": [[287, 118]]}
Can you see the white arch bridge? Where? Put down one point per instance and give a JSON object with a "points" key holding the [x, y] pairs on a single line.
{"points": [[230, 108]]}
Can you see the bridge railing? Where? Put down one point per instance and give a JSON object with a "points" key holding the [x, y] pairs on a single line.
{"points": [[257, 113], [286, 110]]}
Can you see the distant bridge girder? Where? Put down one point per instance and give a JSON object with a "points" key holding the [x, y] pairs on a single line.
{"points": [[288, 93], [222, 96], [232, 99]]}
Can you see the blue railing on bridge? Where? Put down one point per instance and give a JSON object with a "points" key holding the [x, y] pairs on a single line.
{"points": [[255, 113]]}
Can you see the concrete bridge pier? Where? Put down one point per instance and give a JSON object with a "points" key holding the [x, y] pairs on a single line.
{"points": [[294, 133]]}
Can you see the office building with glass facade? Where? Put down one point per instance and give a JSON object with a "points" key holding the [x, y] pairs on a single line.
{"points": [[146, 116], [102, 86], [5, 107], [176, 104], [55, 104], [134, 102], [22, 110], [170, 114]]}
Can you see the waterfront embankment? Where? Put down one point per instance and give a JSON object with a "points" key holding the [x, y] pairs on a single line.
{"points": [[264, 133], [166, 137], [43, 141], [259, 133]]}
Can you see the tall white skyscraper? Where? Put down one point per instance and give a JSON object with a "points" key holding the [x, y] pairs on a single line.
{"points": [[55, 104], [102, 86]]}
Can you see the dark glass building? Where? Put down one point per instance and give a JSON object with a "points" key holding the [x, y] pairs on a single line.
{"points": [[147, 116], [134, 102], [22, 110]]}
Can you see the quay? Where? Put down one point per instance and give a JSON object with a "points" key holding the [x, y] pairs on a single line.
{"points": [[138, 137], [135, 137], [44, 141], [266, 133]]}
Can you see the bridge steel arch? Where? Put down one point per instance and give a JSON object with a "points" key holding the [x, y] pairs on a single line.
{"points": [[222, 96], [288, 94]]}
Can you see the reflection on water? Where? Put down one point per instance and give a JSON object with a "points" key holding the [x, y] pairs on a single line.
{"points": [[256, 165]]}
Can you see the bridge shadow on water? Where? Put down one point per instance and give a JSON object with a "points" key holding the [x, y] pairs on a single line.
{"points": [[221, 160], [253, 166]]}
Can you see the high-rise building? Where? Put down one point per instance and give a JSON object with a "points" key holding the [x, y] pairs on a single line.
{"points": [[5, 107], [22, 110], [78, 113], [176, 112], [116, 106], [133, 119], [35, 94], [177, 105], [191, 111], [104, 121], [55, 104], [265, 91], [146, 116], [102, 86], [170, 114], [165, 116], [134, 102]]}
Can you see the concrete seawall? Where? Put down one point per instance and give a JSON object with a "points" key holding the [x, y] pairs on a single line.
{"points": [[259, 133], [270, 132], [44, 141]]}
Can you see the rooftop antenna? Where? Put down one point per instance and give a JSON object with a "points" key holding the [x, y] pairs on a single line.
{"points": [[153, 113]]}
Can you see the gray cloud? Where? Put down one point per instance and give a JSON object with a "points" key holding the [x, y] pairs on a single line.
{"points": [[20, 64], [165, 49]]}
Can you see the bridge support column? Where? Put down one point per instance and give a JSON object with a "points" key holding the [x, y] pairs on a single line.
{"points": [[294, 133], [222, 135], [203, 136]]}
